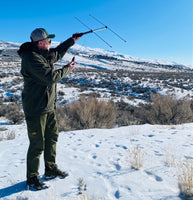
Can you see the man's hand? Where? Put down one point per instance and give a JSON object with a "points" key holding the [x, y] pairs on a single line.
{"points": [[77, 36], [71, 65]]}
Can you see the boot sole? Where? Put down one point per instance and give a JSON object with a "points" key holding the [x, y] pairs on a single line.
{"points": [[32, 188], [53, 177]]}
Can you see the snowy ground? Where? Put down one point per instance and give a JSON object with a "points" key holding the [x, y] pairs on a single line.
{"points": [[101, 158]]}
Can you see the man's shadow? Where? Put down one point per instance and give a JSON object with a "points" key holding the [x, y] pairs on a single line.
{"points": [[18, 187]]}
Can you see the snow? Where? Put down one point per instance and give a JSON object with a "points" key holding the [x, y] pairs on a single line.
{"points": [[101, 158]]}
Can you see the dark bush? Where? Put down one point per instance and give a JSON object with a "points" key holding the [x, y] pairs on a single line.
{"points": [[86, 113], [12, 112], [166, 109], [125, 114]]}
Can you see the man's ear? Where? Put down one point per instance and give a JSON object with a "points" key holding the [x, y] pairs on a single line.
{"points": [[39, 43]]}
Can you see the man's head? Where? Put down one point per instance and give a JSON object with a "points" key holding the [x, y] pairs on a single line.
{"points": [[42, 38]]}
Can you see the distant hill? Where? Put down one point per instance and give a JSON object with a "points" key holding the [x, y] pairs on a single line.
{"points": [[99, 58]]}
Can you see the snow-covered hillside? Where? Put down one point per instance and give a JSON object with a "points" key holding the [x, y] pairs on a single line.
{"points": [[109, 75], [99, 58]]}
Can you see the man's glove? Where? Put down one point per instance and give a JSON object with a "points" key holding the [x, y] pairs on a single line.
{"points": [[77, 35]]}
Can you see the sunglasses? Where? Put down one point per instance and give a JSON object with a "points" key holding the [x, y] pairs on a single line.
{"points": [[47, 41]]}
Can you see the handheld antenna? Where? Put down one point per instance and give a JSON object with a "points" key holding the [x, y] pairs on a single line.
{"points": [[108, 28], [91, 31]]}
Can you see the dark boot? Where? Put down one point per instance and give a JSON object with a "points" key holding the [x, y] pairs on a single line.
{"points": [[35, 183], [51, 173]]}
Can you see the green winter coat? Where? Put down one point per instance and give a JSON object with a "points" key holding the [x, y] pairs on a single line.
{"points": [[40, 78]]}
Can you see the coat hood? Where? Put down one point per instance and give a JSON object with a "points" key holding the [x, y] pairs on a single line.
{"points": [[32, 46], [27, 46]]}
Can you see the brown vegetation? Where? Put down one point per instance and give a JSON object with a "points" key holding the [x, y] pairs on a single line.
{"points": [[86, 113], [165, 109], [12, 112]]}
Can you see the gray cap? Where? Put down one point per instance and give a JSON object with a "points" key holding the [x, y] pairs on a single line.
{"points": [[40, 34]]}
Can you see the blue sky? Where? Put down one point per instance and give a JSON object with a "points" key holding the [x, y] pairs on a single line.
{"points": [[154, 29]]}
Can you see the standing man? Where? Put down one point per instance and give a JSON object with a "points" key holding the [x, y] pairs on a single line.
{"points": [[39, 101]]}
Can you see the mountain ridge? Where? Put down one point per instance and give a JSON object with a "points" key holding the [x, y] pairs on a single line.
{"points": [[99, 58]]}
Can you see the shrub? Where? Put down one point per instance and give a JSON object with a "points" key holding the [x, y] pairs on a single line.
{"points": [[62, 119], [166, 109], [125, 114], [3, 75], [12, 112], [87, 113]]}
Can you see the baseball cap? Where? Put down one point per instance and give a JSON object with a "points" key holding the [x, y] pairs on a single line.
{"points": [[40, 34]]}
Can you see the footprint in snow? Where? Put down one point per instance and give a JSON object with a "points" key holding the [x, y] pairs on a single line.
{"points": [[22, 161], [151, 135], [90, 136], [94, 157], [159, 141], [124, 147], [185, 145], [157, 178], [133, 140], [189, 157], [157, 153], [118, 167], [117, 194]]}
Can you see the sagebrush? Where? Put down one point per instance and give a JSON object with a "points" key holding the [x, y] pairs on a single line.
{"points": [[12, 112], [86, 113], [165, 109]]}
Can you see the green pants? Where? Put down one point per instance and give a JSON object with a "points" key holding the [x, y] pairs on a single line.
{"points": [[43, 135]]}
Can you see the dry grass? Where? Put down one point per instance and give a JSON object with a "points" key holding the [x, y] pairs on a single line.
{"points": [[170, 160], [185, 177], [86, 197], [11, 135], [81, 186], [1, 137], [136, 158]]}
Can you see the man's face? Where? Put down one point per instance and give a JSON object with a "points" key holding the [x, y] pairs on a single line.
{"points": [[44, 44]]}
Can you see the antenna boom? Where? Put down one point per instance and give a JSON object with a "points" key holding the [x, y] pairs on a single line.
{"points": [[107, 27], [91, 31]]}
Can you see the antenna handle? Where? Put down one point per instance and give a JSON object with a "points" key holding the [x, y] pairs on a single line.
{"points": [[81, 34], [76, 35]]}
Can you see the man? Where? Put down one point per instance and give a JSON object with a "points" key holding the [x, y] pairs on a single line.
{"points": [[39, 101]]}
